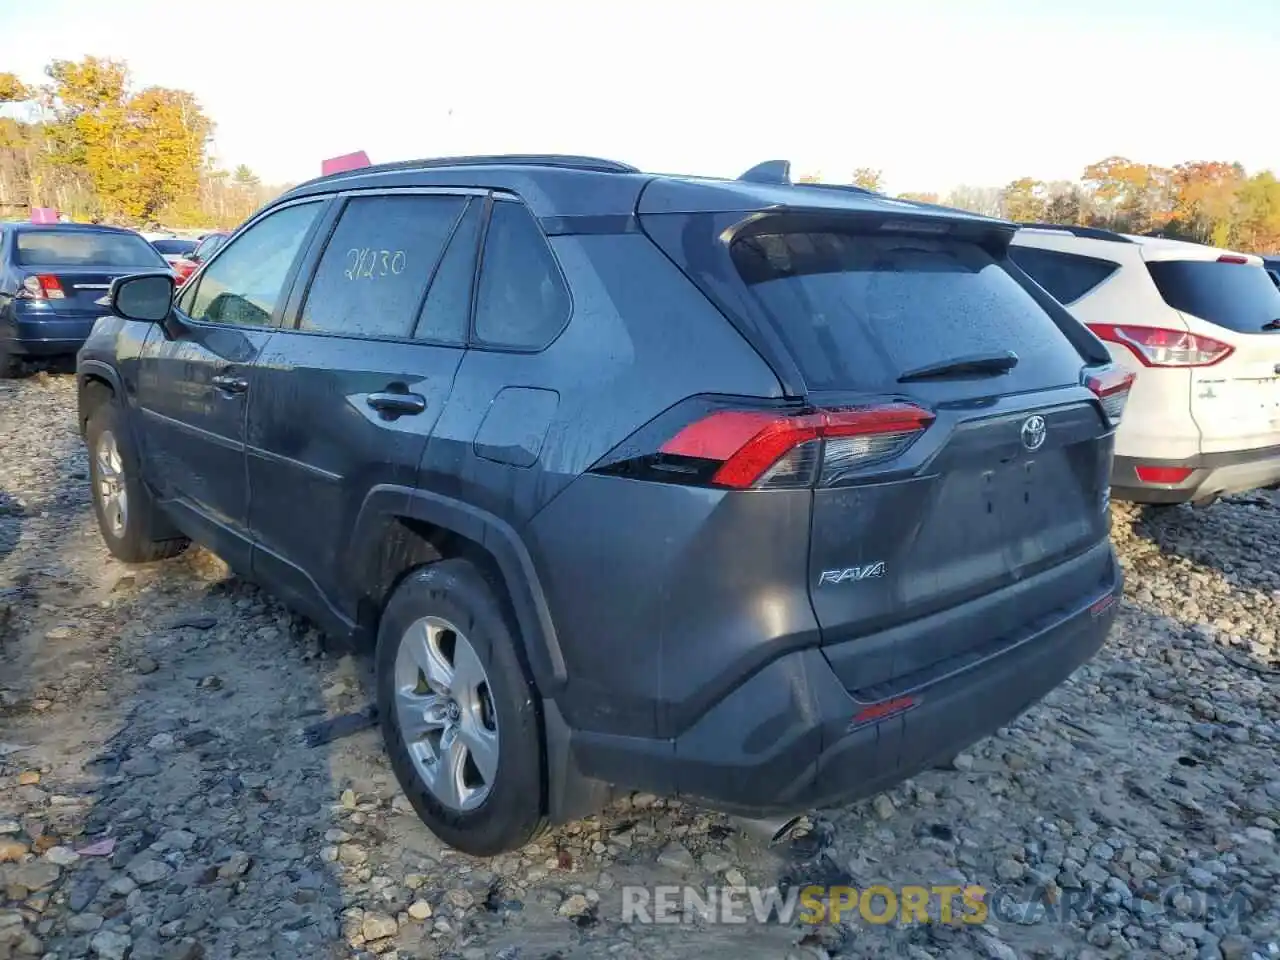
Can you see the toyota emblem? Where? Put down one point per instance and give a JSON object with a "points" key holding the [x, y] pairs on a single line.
{"points": [[1033, 432]]}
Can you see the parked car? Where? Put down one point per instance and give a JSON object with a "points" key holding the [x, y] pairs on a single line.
{"points": [[53, 284], [178, 253], [1200, 329], [759, 494], [207, 246]]}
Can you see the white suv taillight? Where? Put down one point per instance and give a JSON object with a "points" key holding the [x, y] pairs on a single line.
{"points": [[1158, 347], [1112, 388]]}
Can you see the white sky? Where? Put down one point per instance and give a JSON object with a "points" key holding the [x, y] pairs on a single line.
{"points": [[933, 92]]}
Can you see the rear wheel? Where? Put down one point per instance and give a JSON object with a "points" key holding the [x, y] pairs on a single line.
{"points": [[8, 364], [130, 522], [458, 711]]}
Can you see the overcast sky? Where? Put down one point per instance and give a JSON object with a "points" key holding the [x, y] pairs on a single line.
{"points": [[933, 92]]}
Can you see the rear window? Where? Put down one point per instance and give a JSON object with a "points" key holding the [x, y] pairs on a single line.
{"points": [[174, 247], [85, 248], [857, 311], [1232, 295], [1065, 276]]}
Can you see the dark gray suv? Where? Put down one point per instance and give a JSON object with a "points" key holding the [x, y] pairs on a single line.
{"points": [[758, 494]]}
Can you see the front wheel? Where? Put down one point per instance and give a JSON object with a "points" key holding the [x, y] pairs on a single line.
{"points": [[458, 711], [128, 519]]}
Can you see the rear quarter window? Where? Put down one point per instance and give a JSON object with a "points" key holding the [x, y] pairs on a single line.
{"points": [[1065, 276], [1239, 297], [857, 311]]}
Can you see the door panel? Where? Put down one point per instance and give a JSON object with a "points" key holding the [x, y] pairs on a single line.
{"points": [[194, 376], [192, 429], [323, 430], [345, 400]]}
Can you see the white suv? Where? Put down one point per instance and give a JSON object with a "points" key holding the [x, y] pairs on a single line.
{"points": [[1200, 327]]}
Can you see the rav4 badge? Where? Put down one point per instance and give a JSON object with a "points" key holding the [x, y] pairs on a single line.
{"points": [[869, 571]]}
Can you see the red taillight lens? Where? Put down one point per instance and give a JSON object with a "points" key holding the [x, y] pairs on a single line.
{"points": [[42, 286], [184, 269], [765, 449], [1112, 388], [1158, 347], [1232, 258], [1162, 474]]}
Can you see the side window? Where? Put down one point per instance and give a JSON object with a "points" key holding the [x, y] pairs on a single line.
{"points": [[522, 303], [375, 269], [1066, 276], [245, 286], [447, 309]]}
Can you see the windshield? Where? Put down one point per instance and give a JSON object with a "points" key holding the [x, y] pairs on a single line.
{"points": [[85, 248], [860, 310], [1237, 296]]}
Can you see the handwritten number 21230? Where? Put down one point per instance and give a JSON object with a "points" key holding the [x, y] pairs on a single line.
{"points": [[366, 263]]}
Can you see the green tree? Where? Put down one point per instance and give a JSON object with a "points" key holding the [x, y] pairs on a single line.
{"points": [[919, 197]]}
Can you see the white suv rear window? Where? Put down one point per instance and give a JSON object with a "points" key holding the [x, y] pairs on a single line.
{"points": [[1237, 296]]}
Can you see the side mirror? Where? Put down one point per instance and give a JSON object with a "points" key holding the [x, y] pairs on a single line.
{"points": [[146, 297]]}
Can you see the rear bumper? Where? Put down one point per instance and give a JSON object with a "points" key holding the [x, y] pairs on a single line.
{"points": [[45, 333], [1212, 475], [786, 740]]}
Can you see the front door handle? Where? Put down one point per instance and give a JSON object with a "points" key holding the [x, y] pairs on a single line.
{"points": [[397, 404], [229, 384]]}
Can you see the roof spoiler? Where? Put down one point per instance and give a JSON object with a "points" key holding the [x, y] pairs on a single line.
{"points": [[771, 171], [348, 161]]}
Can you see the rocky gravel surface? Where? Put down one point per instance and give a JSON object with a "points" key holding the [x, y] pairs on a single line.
{"points": [[160, 798]]}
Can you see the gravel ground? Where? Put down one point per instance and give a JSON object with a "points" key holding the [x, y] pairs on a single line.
{"points": [[158, 797]]}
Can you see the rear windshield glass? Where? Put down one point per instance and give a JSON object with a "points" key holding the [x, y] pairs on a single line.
{"points": [[174, 247], [1237, 296], [85, 248], [857, 311]]}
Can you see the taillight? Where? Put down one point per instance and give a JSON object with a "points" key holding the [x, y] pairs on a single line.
{"points": [[1232, 258], [1112, 388], [1158, 347], [41, 287], [769, 449], [1162, 474]]}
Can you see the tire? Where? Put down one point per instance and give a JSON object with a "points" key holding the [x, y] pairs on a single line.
{"points": [[441, 607], [138, 533], [8, 365]]}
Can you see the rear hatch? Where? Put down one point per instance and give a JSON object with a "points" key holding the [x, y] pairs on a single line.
{"points": [[1001, 481], [1232, 309], [71, 270]]}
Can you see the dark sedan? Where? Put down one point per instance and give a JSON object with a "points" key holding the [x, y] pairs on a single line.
{"points": [[54, 280]]}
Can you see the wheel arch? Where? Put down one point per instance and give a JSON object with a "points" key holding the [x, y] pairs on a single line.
{"points": [[399, 528]]}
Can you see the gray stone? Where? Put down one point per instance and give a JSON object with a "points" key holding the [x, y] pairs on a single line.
{"points": [[110, 944], [676, 857]]}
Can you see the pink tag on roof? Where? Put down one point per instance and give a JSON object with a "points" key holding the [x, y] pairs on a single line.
{"points": [[44, 215], [348, 161]]}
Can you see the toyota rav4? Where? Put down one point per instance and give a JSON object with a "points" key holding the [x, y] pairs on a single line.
{"points": [[758, 494]]}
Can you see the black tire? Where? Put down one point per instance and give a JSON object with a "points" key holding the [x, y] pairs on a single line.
{"points": [[512, 814], [146, 535], [8, 365]]}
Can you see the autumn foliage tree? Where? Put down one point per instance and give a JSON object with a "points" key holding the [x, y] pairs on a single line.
{"points": [[95, 147]]}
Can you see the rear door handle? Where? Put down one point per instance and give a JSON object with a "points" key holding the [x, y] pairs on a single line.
{"points": [[229, 384], [397, 404]]}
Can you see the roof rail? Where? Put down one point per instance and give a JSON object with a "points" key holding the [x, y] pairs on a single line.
{"points": [[771, 171], [564, 161], [1093, 233]]}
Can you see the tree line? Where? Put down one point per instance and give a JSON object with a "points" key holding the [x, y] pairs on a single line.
{"points": [[88, 144], [1213, 202]]}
